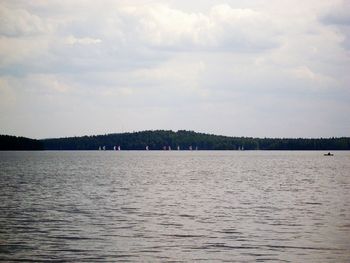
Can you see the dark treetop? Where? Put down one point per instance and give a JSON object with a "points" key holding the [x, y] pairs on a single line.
{"points": [[19, 143]]}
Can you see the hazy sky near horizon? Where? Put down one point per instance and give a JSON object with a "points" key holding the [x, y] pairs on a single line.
{"points": [[264, 68]]}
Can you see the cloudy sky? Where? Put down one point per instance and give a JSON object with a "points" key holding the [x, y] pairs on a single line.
{"points": [[274, 68]]}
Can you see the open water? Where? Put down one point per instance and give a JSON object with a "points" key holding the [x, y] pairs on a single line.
{"points": [[248, 206]]}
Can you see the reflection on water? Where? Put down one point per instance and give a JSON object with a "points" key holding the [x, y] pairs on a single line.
{"points": [[175, 206]]}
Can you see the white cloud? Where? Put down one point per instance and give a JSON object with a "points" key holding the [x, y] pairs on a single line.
{"points": [[222, 29], [304, 72], [16, 53], [71, 40], [19, 22], [181, 65]]}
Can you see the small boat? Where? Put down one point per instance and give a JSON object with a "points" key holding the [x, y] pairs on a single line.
{"points": [[328, 154]]}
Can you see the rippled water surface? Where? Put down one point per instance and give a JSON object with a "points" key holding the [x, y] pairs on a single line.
{"points": [[175, 206]]}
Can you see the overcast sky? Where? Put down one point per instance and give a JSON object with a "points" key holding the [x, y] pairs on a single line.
{"points": [[274, 68]]}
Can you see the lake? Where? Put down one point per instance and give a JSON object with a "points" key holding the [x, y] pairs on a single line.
{"points": [[160, 206]]}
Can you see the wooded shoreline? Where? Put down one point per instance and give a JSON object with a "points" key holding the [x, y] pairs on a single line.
{"points": [[166, 139]]}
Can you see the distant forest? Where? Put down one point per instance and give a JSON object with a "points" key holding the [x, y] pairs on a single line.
{"points": [[14, 143], [161, 139], [157, 140]]}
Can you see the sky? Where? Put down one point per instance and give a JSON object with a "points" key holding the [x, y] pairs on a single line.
{"points": [[261, 68]]}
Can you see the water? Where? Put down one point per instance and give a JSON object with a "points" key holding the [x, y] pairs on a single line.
{"points": [[175, 206]]}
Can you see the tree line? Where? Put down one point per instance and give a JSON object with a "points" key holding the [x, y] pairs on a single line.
{"points": [[161, 139], [15, 143]]}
